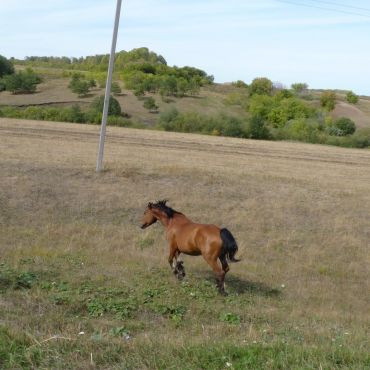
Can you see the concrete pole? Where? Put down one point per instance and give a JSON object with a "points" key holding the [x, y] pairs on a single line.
{"points": [[99, 163]]}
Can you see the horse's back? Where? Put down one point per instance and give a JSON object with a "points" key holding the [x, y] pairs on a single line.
{"points": [[195, 238]]}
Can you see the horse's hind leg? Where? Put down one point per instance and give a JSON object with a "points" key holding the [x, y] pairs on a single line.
{"points": [[225, 265], [220, 274]]}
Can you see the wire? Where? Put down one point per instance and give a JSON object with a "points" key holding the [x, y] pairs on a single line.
{"points": [[322, 8], [341, 5]]}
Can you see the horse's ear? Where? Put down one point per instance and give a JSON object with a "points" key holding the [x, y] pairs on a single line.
{"points": [[150, 204], [164, 201]]}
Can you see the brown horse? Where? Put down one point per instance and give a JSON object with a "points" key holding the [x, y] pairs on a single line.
{"points": [[188, 237]]}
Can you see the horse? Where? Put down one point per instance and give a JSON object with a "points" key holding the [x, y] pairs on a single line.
{"points": [[187, 237]]}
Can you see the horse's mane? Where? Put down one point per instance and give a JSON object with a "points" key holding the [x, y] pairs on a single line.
{"points": [[161, 205]]}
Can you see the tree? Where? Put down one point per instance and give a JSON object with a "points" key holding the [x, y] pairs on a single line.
{"points": [[149, 103], [92, 83], [6, 67], [261, 86], [79, 85], [115, 88], [351, 97], [114, 108], [328, 100], [299, 87], [22, 82]]}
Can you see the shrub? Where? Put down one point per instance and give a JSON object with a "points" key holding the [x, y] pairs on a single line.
{"points": [[92, 83], [361, 138], [168, 116], [302, 129], [239, 83], [328, 100], [283, 94], [6, 67], [115, 88], [299, 87], [341, 127], [261, 105], [261, 86], [257, 128], [22, 82], [286, 110], [194, 122], [114, 108], [149, 103], [79, 85], [351, 97]]}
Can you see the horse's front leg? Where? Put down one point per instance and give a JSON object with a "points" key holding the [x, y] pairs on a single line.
{"points": [[176, 266]]}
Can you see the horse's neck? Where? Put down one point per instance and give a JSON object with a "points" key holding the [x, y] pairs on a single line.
{"points": [[179, 218]]}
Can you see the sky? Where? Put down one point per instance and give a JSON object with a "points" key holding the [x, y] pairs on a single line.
{"points": [[325, 43]]}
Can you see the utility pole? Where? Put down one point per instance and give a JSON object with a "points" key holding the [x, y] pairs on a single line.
{"points": [[99, 163]]}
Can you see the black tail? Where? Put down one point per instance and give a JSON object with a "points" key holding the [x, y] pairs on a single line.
{"points": [[229, 246]]}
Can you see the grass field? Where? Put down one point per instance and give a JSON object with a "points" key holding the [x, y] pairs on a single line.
{"points": [[83, 287]]}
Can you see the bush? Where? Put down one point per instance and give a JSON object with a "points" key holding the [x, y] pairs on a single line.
{"points": [[240, 83], [92, 83], [299, 87], [261, 86], [351, 97], [114, 108], [305, 130], [22, 82], [361, 138], [328, 100], [194, 122], [115, 88], [341, 127], [288, 109], [6, 67], [257, 129], [79, 85], [149, 103], [261, 105]]}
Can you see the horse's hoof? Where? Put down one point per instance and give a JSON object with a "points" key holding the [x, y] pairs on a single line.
{"points": [[223, 293]]}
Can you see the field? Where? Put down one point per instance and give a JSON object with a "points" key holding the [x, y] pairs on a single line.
{"points": [[83, 287]]}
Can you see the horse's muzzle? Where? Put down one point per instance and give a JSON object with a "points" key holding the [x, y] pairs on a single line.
{"points": [[143, 226]]}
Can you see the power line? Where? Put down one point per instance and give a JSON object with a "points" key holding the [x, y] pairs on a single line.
{"points": [[323, 8], [341, 5]]}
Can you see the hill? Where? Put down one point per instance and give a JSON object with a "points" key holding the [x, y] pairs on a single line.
{"points": [[82, 286], [153, 94]]}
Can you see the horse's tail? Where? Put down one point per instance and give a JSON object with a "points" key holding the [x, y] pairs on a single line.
{"points": [[229, 246]]}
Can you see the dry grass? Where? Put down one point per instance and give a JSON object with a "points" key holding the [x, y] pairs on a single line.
{"points": [[300, 213]]}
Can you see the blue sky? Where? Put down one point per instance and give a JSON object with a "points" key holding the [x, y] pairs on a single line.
{"points": [[231, 39]]}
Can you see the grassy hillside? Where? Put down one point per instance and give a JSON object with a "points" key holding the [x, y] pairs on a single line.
{"points": [[54, 92], [82, 286], [212, 100]]}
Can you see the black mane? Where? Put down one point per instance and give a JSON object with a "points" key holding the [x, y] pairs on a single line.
{"points": [[161, 205]]}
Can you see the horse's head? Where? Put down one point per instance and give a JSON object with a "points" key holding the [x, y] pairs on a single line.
{"points": [[149, 217]]}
